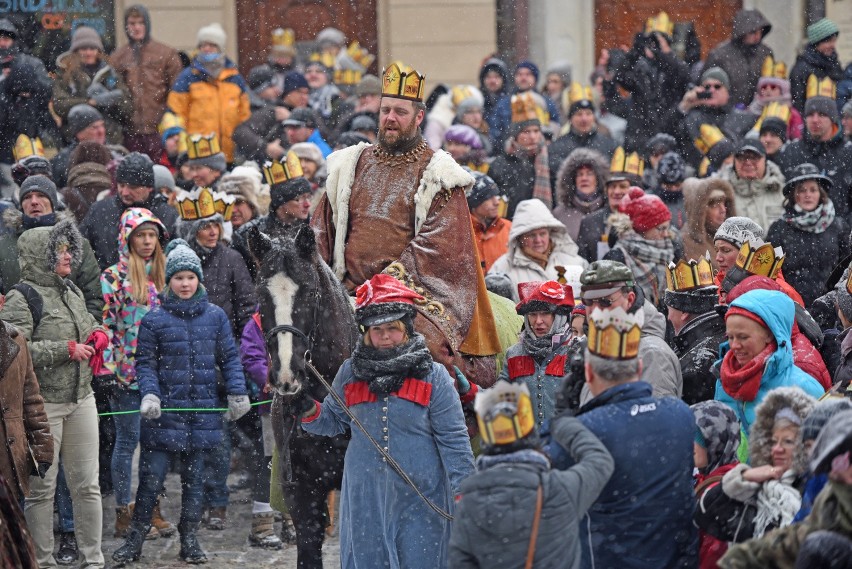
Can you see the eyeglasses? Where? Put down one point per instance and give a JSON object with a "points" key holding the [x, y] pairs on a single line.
{"points": [[605, 302], [750, 157], [714, 86]]}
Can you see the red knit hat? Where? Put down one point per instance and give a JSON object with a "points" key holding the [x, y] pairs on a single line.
{"points": [[645, 211]]}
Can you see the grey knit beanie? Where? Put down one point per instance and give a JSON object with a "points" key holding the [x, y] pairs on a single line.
{"points": [[181, 257], [824, 106], [84, 36], [738, 230], [718, 74], [216, 162], [41, 184], [81, 117]]}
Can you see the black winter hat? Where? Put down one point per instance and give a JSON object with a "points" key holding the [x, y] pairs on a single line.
{"points": [[136, 169], [776, 126], [660, 143], [671, 168], [81, 117], [483, 188], [286, 191], [41, 184], [698, 301]]}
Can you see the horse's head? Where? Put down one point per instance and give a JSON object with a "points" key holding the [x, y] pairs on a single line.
{"points": [[289, 290]]}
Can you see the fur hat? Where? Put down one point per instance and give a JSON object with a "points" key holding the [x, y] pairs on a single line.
{"points": [[547, 296], [645, 211], [41, 184], [84, 37], [90, 152], [215, 34], [243, 188], [737, 230], [135, 169], [309, 151], [660, 143], [181, 257], [696, 301], [64, 234], [330, 36], [82, 116]]}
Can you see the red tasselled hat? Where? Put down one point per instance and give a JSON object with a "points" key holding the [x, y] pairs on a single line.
{"points": [[550, 296], [646, 211], [384, 299]]}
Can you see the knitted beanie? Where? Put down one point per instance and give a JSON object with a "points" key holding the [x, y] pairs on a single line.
{"points": [[671, 168], [484, 188], [181, 257], [821, 414], [776, 126], [308, 151], [821, 30], [136, 169], [463, 134], [369, 85], [292, 81], [216, 162], [330, 36], [718, 74], [824, 106], [645, 211], [846, 111], [286, 191], [466, 106], [212, 34], [737, 230], [528, 65], [163, 178], [41, 184], [83, 37], [81, 117]]}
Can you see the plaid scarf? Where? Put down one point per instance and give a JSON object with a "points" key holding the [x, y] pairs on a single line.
{"points": [[815, 221], [647, 260], [541, 185]]}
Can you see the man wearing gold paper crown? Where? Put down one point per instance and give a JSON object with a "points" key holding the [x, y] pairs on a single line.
{"points": [[398, 207], [205, 160], [513, 469], [643, 516], [822, 144], [691, 297]]}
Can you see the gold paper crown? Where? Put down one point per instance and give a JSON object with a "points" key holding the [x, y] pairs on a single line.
{"points": [[772, 69], [524, 108], [326, 58], [170, 121], [660, 23], [347, 76], [688, 275], [402, 82], [704, 167], [627, 163], [708, 136], [202, 146], [504, 413], [26, 146], [461, 92], [577, 93], [774, 110], [824, 87], [279, 171], [614, 334], [283, 37], [202, 203], [759, 258], [360, 55]]}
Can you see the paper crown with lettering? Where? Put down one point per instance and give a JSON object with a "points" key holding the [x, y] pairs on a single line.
{"points": [[202, 146], [661, 23], [549, 296], [26, 147], [614, 334], [625, 166], [529, 109], [756, 257], [771, 68], [402, 82], [202, 203], [282, 170], [504, 413], [577, 97], [690, 286], [824, 87]]}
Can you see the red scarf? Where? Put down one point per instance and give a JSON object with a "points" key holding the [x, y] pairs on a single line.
{"points": [[743, 381]]}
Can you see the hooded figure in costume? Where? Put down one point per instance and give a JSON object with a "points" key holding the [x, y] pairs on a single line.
{"points": [[399, 207]]}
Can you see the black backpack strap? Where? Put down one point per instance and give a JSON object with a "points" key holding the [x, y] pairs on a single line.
{"points": [[34, 301]]}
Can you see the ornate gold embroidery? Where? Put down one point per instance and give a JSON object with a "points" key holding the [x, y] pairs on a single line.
{"points": [[432, 307]]}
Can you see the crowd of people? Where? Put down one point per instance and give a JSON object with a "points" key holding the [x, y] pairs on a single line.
{"points": [[639, 284]]}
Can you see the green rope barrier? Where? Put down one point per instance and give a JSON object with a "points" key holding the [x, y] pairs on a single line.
{"points": [[183, 409]]}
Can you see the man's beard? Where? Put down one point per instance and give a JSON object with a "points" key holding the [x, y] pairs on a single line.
{"points": [[405, 140]]}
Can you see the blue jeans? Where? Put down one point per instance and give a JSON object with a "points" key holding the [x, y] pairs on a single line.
{"points": [[63, 503], [126, 439], [153, 466], [217, 466]]}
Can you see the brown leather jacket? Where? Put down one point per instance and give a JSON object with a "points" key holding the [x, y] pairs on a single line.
{"points": [[149, 72], [23, 421]]}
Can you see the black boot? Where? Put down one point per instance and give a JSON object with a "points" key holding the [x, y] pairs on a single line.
{"points": [[190, 550], [67, 554], [132, 548]]}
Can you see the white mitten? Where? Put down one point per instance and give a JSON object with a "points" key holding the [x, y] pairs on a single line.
{"points": [[150, 407], [238, 405]]}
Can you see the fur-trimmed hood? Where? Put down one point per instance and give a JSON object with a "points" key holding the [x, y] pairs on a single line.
{"points": [[760, 436], [38, 249], [696, 195], [13, 218], [565, 188]]}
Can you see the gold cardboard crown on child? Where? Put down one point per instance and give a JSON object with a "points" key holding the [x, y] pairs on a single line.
{"points": [[279, 171], [461, 92], [824, 87], [627, 163], [524, 108], [614, 334], [402, 82], [360, 55], [708, 136], [170, 121], [347, 76], [504, 413], [26, 146], [689, 275], [203, 202], [759, 258], [577, 93], [772, 69], [283, 37], [202, 146], [774, 110], [660, 23], [326, 58]]}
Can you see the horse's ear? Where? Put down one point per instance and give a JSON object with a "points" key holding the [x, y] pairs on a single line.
{"points": [[258, 242], [306, 243]]}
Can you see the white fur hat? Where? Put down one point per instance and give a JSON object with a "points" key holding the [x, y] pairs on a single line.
{"points": [[212, 34]]}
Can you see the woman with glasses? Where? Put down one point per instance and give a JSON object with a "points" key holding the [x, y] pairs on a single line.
{"points": [[814, 239]]}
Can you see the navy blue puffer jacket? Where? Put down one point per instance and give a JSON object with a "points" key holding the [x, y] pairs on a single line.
{"points": [[181, 345]]}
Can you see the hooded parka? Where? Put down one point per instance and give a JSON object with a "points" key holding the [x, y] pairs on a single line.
{"points": [[811, 62], [697, 236], [570, 209]]}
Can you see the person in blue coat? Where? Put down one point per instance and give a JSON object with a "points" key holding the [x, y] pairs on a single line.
{"points": [[182, 344], [643, 516], [758, 356], [409, 405]]}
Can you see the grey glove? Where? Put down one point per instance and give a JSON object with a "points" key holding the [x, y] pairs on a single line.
{"points": [[96, 89], [150, 407], [108, 98], [238, 405]]}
